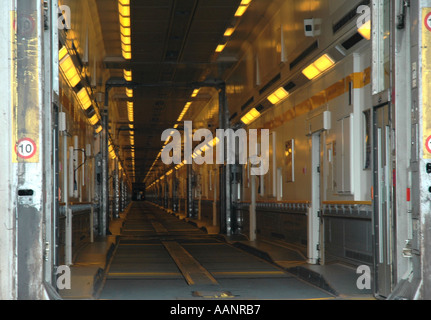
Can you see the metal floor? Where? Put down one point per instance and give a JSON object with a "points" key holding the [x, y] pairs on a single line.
{"points": [[159, 257]]}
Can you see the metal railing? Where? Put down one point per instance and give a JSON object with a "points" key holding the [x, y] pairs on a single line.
{"points": [[76, 228]]}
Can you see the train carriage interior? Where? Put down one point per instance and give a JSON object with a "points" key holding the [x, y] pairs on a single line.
{"points": [[217, 149]]}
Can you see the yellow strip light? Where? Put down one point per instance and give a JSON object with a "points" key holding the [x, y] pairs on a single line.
{"points": [[180, 165], [68, 68], [365, 30], [130, 111], [112, 151], [242, 8], [84, 98], [94, 119], [220, 47], [195, 93], [99, 129], [229, 32], [278, 95], [128, 75], [129, 92], [214, 142], [183, 113], [125, 28], [252, 115], [318, 67]]}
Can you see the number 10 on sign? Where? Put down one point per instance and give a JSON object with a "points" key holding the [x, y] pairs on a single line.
{"points": [[25, 148]]}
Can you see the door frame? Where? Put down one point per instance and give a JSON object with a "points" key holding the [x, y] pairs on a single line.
{"points": [[382, 101], [314, 225]]}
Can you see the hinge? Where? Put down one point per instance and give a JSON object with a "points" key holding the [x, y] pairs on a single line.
{"points": [[318, 169], [318, 247]]}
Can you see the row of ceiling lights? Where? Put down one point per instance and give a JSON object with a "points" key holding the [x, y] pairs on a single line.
{"points": [[126, 48], [242, 8], [76, 83], [205, 148], [180, 118], [125, 28], [315, 69], [312, 71]]}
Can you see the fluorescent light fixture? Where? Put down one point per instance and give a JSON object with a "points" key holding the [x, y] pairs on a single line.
{"points": [[252, 115], [125, 28], [126, 41], [125, 31], [84, 98], [130, 110], [112, 151], [126, 47], [127, 55], [278, 95], [124, 9], [241, 10], [94, 119], [245, 2], [62, 53], [229, 32], [183, 113], [220, 47], [68, 68], [99, 129], [318, 67], [195, 93], [311, 72], [129, 92], [125, 21], [365, 30], [215, 142], [128, 75]]}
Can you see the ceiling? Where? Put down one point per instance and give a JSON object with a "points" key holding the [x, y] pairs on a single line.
{"points": [[173, 42]]}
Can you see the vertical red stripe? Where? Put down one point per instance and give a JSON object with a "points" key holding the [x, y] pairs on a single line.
{"points": [[408, 194]]}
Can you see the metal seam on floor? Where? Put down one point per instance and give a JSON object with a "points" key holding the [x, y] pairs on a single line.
{"points": [[192, 270]]}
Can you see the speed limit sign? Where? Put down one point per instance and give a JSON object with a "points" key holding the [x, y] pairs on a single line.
{"points": [[428, 21], [25, 148], [428, 144]]}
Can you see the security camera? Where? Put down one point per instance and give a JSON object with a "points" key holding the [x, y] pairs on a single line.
{"points": [[311, 27]]}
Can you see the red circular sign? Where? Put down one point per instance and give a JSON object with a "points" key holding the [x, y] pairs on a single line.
{"points": [[428, 144], [25, 148], [428, 21]]}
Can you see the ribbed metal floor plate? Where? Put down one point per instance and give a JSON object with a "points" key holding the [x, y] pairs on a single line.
{"points": [[192, 270], [159, 256]]}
